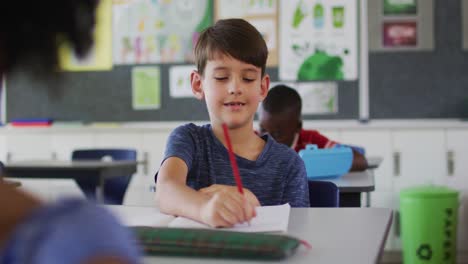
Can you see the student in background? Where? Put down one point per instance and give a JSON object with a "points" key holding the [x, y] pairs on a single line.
{"points": [[280, 116], [69, 231], [195, 179]]}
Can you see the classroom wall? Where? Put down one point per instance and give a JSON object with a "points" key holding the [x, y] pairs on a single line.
{"points": [[403, 85], [430, 84], [107, 96]]}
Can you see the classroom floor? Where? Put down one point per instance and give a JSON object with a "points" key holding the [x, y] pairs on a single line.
{"points": [[395, 257]]}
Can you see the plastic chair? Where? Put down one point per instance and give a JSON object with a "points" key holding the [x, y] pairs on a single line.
{"points": [[114, 188], [323, 194]]}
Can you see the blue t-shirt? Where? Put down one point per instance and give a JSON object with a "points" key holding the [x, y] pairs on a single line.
{"points": [[278, 175]]}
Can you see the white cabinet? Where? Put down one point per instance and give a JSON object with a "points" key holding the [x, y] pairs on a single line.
{"points": [[142, 188], [154, 146], [457, 159], [411, 156], [457, 171], [418, 157], [64, 143], [24, 146], [42, 144], [376, 143]]}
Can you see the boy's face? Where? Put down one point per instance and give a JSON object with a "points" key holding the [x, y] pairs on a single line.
{"points": [[282, 127], [232, 90]]}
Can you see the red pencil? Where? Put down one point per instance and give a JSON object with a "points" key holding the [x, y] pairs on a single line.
{"points": [[232, 158]]}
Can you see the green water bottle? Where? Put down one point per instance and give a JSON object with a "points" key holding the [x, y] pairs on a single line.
{"points": [[429, 216], [319, 15]]}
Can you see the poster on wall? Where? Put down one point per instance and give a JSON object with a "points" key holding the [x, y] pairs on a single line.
{"points": [[317, 97], [400, 7], [100, 55], [400, 34], [401, 25], [149, 31], [262, 14], [146, 88], [318, 40], [179, 81]]}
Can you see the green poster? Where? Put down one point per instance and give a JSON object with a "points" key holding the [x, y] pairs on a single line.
{"points": [[146, 88], [400, 7]]}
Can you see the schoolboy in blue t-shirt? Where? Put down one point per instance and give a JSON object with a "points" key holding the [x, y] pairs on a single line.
{"points": [[195, 179]]}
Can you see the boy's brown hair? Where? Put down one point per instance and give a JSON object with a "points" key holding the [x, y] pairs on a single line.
{"points": [[234, 37]]}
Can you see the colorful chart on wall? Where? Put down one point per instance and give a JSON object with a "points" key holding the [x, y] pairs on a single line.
{"points": [[318, 40], [158, 31], [100, 55], [317, 97], [262, 14]]}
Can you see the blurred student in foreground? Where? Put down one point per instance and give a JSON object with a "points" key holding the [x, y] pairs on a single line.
{"points": [[69, 231]]}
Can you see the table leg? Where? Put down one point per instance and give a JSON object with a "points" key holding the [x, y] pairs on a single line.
{"points": [[100, 191], [368, 203]]}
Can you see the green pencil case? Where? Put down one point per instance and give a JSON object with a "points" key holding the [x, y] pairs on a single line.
{"points": [[161, 241]]}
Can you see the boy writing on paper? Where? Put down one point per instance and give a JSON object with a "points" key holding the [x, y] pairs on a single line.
{"points": [[280, 116], [195, 179]]}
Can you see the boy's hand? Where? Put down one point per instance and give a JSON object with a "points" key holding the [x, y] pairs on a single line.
{"points": [[251, 198], [226, 207]]}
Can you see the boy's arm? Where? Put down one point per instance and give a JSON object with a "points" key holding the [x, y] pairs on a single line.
{"points": [[359, 161], [173, 196]]}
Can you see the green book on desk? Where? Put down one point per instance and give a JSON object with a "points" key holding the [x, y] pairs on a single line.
{"points": [[212, 243], [166, 235]]}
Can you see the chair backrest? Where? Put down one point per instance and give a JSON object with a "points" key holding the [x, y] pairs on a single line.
{"points": [[323, 194], [114, 188], [97, 154]]}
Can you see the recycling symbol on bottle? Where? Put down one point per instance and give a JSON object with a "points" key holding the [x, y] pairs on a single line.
{"points": [[424, 252]]}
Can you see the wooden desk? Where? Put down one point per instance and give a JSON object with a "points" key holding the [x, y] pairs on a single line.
{"points": [[54, 169], [351, 185], [337, 235]]}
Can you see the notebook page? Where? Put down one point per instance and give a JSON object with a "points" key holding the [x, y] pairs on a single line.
{"points": [[140, 216], [268, 219]]}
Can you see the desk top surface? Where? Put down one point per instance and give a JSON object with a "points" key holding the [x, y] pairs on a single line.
{"points": [[64, 164], [337, 235], [57, 169]]}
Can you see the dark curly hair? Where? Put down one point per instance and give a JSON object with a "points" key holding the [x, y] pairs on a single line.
{"points": [[31, 32], [281, 99]]}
